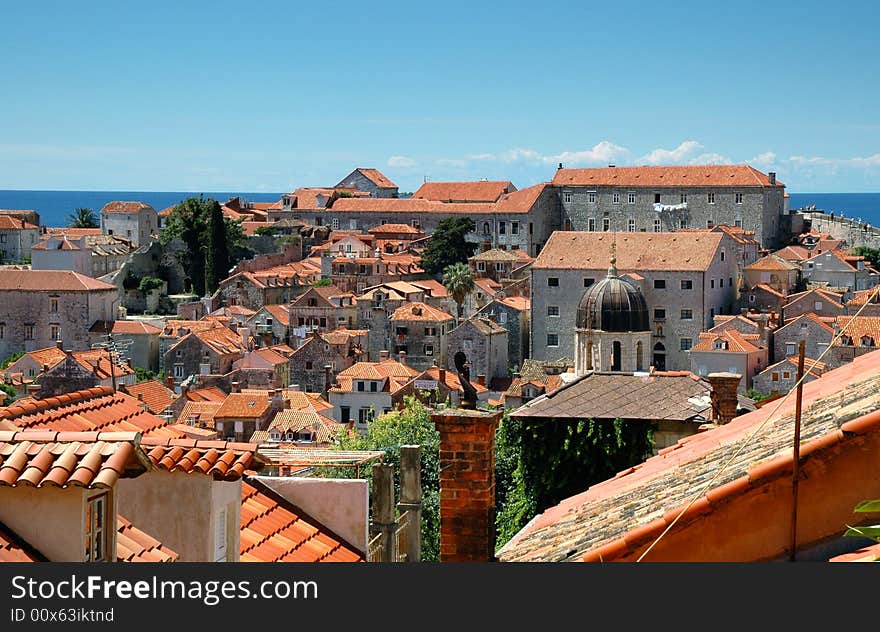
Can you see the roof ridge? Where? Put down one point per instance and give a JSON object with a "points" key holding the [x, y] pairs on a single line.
{"points": [[18, 410]]}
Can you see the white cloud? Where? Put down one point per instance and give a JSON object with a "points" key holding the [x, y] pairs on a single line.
{"points": [[679, 155], [867, 161], [766, 159], [711, 159], [401, 161], [451, 162], [601, 153]]}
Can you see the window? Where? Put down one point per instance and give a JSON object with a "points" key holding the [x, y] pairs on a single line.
{"points": [[374, 386], [3, 238], [683, 223], [786, 374], [659, 284], [365, 415], [631, 225], [738, 198], [335, 223], [710, 223], [416, 224], [588, 282], [352, 224], [817, 306], [345, 414], [499, 266], [615, 197], [2, 330], [502, 318], [684, 198], [382, 222], [631, 197], [531, 228], [28, 332], [96, 528], [710, 198], [685, 344], [606, 224], [687, 314], [738, 222], [553, 310], [722, 254], [481, 266], [429, 350], [361, 387], [486, 228], [591, 197], [591, 224], [514, 228], [309, 365], [712, 283], [178, 370], [55, 332], [552, 340], [687, 284], [751, 298], [774, 376], [363, 268], [721, 282], [553, 282], [657, 225], [430, 331], [659, 313], [53, 305], [566, 197], [322, 322], [502, 228]]}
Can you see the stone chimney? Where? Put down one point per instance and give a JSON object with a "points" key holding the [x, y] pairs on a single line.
{"points": [[402, 357], [481, 379], [467, 484], [169, 382], [771, 177], [383, 355], [328, 378], [236, 386], [723, 396], [33, 390]]}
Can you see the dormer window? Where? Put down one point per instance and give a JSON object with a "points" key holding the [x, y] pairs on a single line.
{"points": [[866, 341], [97, 509]]}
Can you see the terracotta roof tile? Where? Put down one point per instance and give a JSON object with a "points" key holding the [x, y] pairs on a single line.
{"points": [[14, 549], [209, 394], [635, 251], [51, 280], [420, 312], [476, 191], [678, 176], [193, 456], [732, 342], [243, 405], [133, 545], [125, 207], [772, 262], [275, 530], [289, 420], [377, 177], [10, 222], [153, 393], [858, 327], [396, 229]]}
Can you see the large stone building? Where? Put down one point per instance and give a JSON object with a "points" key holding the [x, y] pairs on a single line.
{"points": [[325, 307], [320, 358], [512, 313], [371, 181], [835, 269], [17, 237], [135, 221], [685, 278], [660, 199], [40, 307], [420, 332]]}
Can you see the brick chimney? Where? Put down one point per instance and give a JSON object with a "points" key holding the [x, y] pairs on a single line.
{"points": [[383, 355], [723, 396], [481, 379], [402, 357], [467, 484], [169, 381]]}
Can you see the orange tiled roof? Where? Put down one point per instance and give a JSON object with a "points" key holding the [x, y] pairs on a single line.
{"points": [[396, 228], [578, 250], [520, 201], [377, 177], [861, 297], [770, 290], [520, 303], [224, 460], [10, 222], [220, 339], [72, 232], [209, 394], [678, 176], [243, 405], [832, 297], [14, 549], [97, 408], [772, 262], [450, 379], [202, 411], [289, 420], [410, 205], [153, 393], [300, 400], [793, 253], [478, 191], [124, 327], [62, 459], [125, 207], [420, 312], [858, 326], [133, 545], [431, 286], [50, 280], [280, 313], [275, 530], [736, 342], [98, 362]]}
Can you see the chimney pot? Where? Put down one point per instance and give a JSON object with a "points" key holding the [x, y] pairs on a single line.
{"points": [[724, 396], [383, 355], [771, 176], [170, 382], [402, 357], [235, 386], [481, 379], [59, 344], [33, 390]]}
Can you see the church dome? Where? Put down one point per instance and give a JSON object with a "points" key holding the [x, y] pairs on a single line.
{"points": [[613, 304]]}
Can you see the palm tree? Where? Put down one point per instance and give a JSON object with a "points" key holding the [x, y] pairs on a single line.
{"points": [[458, 279], [83, 218]]}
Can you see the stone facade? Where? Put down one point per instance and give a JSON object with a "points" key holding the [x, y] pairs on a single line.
{"points": [[423, 341], [598, 351], [358, 179], [780, 377], [36, 318], [816, 301], [134, 221], [762, 298], [17, 237], [808, 327], [325, 308], [484, 343], [830, 268], [516, 321], [192, 356], [249, 291], [307, 364]]}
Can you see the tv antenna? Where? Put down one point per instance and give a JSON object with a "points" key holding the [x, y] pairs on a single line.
{"points": [[117, 351]]}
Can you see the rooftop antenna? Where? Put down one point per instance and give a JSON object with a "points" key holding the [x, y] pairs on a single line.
{"points": [[612, 269]]}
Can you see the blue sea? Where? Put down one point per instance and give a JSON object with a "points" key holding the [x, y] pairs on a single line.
{"points": [[55, 206]]}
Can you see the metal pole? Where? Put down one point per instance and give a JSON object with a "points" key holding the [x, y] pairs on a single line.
{"points": [[796, 470]]}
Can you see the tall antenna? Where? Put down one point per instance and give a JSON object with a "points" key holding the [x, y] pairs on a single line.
{"points": [[117, 351]]}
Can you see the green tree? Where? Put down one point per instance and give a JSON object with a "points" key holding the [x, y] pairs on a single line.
{"points": [[188, 221], [325, 282], [144, 375], [217, 256], [757, 396], [83, 218], [540, 463], [10, 393], [448, 245], [871, 254], [12, 358], [458, 279], [411, 425]]}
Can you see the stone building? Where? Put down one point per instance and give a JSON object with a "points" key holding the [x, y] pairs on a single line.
{"points": [[441, 386], [325, 307], [732, 352], [858, 335], [371, 181], [820, 302], [781, 275], [420, 331], [39, 307], [484, 342], [375, 308], [139, 340], [17, 237], [782, 376], [319, 359], [685, 278], [205, 352], [612, 331], [241, 414], [762, 297], [275, 285], [135, 221], [495, 264], [513, 314], [662, 199], [352, 273], [271, 325], [391, 238], [814, 330], [836, 269]]}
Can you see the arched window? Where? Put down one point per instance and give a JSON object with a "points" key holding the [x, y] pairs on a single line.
{"points": [[640, 364], [485, 228], [589, 355]]}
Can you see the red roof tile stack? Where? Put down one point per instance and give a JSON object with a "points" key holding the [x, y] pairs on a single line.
{"points": [[133, 545]]}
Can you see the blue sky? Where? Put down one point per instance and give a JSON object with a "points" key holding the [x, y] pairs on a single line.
{"points": [[268, 96]]}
